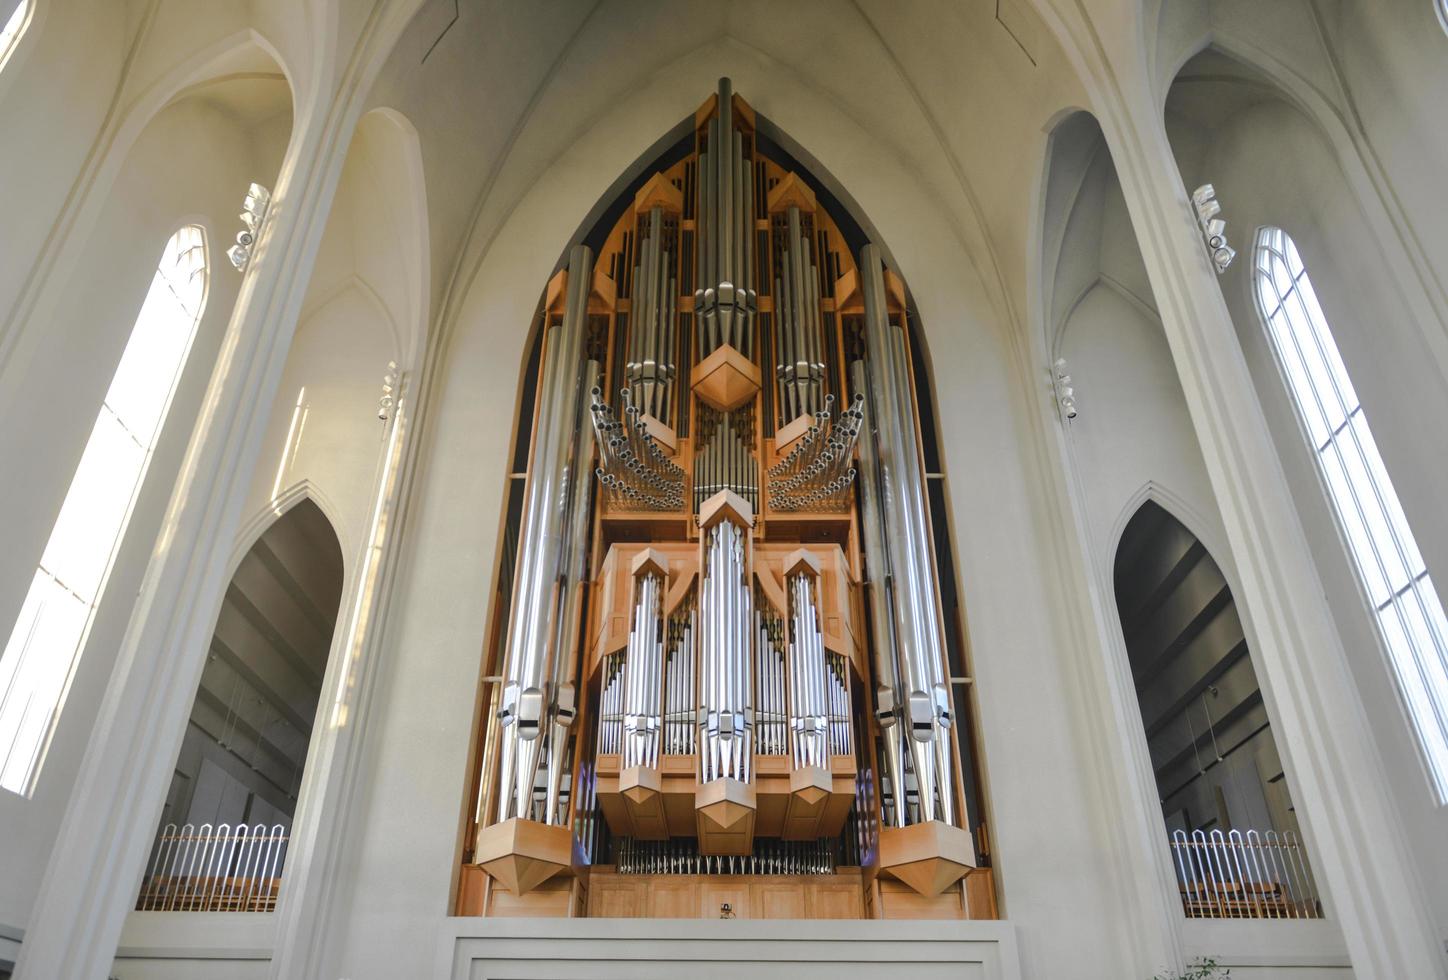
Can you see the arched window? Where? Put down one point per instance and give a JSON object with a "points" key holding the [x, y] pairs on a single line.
{"points": [[1389, 565], [13, 25], [40, 655]]}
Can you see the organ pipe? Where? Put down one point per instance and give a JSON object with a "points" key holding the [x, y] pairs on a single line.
{"points": [[809, 708], [726, 711], [573, 584], [926, 698], [725, 300], [888, 696], [540, 549]]}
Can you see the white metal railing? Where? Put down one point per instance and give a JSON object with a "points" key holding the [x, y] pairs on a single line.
{"points": [[221, 868], [1251, 875]]}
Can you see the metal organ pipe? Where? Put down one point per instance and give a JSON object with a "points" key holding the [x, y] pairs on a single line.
{"points": [[650, 369], [726, 718], [725, 300], [526, 671], [808, 709], [572, 583], [888, 697], [926, 696], [643, 674], [799, 362]]}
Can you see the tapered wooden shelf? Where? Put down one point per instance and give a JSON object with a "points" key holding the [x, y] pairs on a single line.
{"points": [[929, 857]]}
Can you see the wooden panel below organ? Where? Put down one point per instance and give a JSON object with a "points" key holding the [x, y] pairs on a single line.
{"points": [[836, 896]]}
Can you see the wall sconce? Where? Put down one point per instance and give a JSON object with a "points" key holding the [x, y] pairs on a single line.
{"points": [[253, 213], [1065, 394], [389, 388], [1214, 229]]}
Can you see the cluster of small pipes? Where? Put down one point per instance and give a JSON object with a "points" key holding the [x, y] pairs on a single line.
{"points": [[680, 856], [610, 707], [725, 460], [632, 468], [818, 473], [842, 739], [652, 337], [808, 697], [771, 720], [800, 368], [679, 707]]}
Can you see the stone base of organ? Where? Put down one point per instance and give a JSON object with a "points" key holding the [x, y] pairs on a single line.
{"points": [[723, 685]]}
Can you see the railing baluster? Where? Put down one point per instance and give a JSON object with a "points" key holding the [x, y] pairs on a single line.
{"points": [[221, 868], [1240, 874]]}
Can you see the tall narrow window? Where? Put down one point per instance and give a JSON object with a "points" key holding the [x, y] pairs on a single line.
{"points": [[39, 658], [11, 27], [1390, 567]]}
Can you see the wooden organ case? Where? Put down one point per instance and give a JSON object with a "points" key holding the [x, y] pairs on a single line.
{"points": [[719, 685]]}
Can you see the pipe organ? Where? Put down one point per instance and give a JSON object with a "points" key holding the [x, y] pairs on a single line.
{"points": [[720, 663]]}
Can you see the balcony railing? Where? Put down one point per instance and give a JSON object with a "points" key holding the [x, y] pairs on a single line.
{"points": [[215, 869], [1240, 875]]}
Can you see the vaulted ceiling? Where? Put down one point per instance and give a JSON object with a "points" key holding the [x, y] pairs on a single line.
{"points": [[503, 93]]}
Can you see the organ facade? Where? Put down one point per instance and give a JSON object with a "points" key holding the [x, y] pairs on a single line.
{"points": [[723, 679]]}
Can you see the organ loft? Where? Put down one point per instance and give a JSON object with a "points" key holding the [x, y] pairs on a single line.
{"points": [[724, 676]]}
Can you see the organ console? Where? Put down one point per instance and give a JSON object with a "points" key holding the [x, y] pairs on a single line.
{"points": [[721, 669]]}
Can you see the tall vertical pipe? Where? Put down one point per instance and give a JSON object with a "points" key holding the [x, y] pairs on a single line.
{"points": [[573, 579], [540, 548], [927, 704]]}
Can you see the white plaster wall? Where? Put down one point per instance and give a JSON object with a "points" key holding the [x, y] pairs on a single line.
{"points": [[191, 164], [1132, 428], [1271, 167]]}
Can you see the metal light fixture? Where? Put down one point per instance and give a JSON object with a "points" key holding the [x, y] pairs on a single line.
{"points": [[253, 213], [1214, 229], [389, 388], [1065, 394]]}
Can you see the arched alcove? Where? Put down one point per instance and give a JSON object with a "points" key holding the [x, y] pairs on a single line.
{"points": [[1218, 772], [222, 840]]}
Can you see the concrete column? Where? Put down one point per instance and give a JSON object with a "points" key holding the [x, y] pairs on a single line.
{"points": [[91, 880], [1352, 823]]}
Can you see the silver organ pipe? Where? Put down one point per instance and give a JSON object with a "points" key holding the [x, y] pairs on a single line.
{"points": [[808, 700], [725, 300], [888, 697], [726, 460], [771, 716], [610, 707], [681, 703], [643, 674], [926, 706], [725, 718], [800, 367], [651, 367], [633, 470], [842, 741], [819, 472], [573, 583], [526, 671]]}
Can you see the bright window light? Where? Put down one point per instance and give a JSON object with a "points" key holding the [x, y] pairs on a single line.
{"points": [[41, 654], [10, 33], [1405, 604]]}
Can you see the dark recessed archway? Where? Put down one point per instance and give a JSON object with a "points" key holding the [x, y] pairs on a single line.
{"points": [[1219, 776], [222, 836]]}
